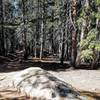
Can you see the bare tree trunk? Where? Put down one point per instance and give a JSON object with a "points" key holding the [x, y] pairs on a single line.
{"points": [[41, 39], [42, 28], [78, 59], [83, 30], [25, 37], [60, 44], [63, 44], [74, 36], [35, 48], [2, 34], [96, 54], [87, 3], [97, 20]]}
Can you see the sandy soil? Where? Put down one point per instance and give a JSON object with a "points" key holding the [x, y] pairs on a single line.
{"points": [[84, 80]]}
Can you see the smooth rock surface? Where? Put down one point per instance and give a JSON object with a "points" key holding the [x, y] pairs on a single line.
{"points": [[41, 85]]}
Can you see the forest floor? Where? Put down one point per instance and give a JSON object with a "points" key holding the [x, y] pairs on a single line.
{"points": [[85, 81]]}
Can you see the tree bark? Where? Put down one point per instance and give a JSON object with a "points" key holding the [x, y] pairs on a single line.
{"points": [[41, 40], [2, 34], [74, 36], [25, 36], [63, 44], [78, 59]]}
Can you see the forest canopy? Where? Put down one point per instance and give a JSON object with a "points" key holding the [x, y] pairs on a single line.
{"points": [[66, 29]]}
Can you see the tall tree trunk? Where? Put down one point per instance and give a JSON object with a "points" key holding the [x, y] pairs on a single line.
{"points": [[83, 30], [83, 27], [52, 33], [35, 47], [97, 20], [87, 3], [78, 59], [2, 34], [24, 21], [74, 36], [41, 40], [63, 43]]}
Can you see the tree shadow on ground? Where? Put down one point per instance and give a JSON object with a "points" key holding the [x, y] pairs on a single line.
{"points": [[15, 66], [49, 66]]}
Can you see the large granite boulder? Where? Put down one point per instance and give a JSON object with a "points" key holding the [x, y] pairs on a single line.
{"points": [[38, 84]]}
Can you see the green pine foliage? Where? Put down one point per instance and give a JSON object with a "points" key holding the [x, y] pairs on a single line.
{"points": [[89, 44], [97, 2], [52, 24]]}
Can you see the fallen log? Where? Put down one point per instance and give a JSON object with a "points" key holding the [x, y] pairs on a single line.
{"points": [[38, 84]]}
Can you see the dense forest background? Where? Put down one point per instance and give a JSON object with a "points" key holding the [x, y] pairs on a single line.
{"points": [[67, 30]]}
